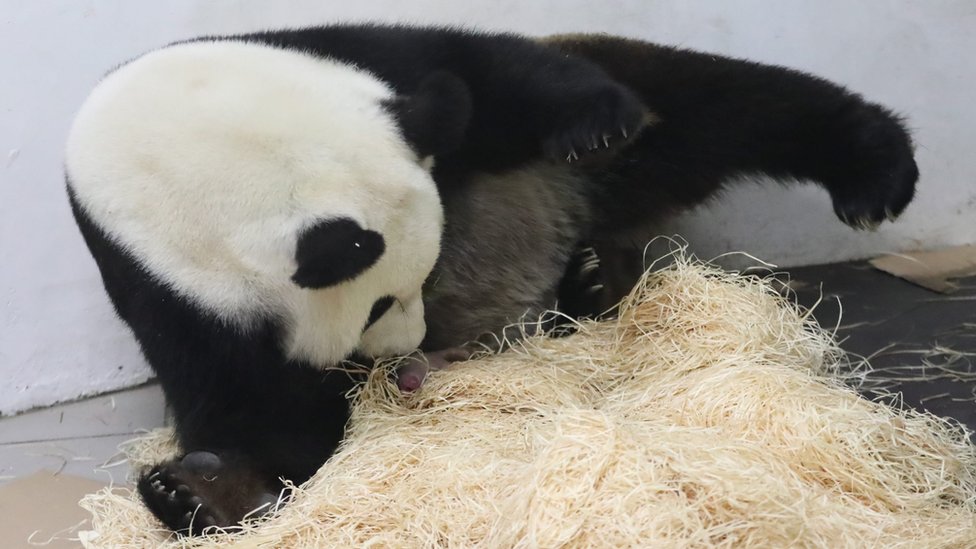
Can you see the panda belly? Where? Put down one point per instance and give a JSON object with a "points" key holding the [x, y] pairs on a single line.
{"points": [[506, 245]]}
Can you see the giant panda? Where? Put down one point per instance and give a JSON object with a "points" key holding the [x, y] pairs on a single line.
{"points": [[264, 207]]}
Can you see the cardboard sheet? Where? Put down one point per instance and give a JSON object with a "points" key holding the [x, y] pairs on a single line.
{"points": [[933, 270], [44, 505]]}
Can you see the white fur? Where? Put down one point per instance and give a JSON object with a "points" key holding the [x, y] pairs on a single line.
{"points": [[205, 160]]}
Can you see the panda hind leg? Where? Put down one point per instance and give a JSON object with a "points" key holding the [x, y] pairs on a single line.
{"points": [[203, 490], [594, 123]]}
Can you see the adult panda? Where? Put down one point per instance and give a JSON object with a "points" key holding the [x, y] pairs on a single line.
{"points": [[262, 207]]}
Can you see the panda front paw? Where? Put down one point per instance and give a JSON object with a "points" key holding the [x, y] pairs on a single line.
{"points": [[875, 173], [202, 491], [595, 121], [581, 290]]}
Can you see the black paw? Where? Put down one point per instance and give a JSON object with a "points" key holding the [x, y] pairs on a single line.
{"points": [[875, 173], [581, 290], [595, 121], [202, 491]]}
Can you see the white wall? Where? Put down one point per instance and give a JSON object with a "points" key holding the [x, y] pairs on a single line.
{"points": [[58, 336]]}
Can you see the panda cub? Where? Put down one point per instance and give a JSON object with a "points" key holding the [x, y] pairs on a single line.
{"points": [[264, 207]]}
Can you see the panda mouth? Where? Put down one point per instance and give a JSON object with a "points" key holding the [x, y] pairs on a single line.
{"points": [[380, 307]]}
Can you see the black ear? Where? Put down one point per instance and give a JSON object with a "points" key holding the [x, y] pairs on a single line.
{"points": [[334, 251], [435, 116]]}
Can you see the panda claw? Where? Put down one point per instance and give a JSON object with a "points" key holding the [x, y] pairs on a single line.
{"points": [[606, 141], [623, 131], [181, 496]]}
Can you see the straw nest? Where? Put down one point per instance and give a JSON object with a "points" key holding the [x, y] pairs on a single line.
{"points": [[710, 414]]}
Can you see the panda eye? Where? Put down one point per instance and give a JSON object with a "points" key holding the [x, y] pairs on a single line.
{"points": [[380, 307]]}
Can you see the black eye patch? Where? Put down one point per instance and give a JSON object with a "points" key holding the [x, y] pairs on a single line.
{"points": [[334, 251], [379, 309]]}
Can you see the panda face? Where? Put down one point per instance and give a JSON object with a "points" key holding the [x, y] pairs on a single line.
{"points": [[236, 173]]}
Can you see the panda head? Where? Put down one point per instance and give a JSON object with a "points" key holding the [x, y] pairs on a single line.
{"points": [[260, 183]]}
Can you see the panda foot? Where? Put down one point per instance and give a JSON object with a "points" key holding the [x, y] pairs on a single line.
{"points": [[202, 491], [595, 121], [581, 290]]}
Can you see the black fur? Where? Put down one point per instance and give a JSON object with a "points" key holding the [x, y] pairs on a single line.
{"points": [[507, 102], [526, 100], [719, 118], [334, 251], [435, 116], [380, 307]]}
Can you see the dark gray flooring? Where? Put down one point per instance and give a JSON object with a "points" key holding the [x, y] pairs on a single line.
{"points": [[905, 329]]}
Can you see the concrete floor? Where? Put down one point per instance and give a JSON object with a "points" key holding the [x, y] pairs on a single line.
{"points": [[79, 438], [924, 339]]}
